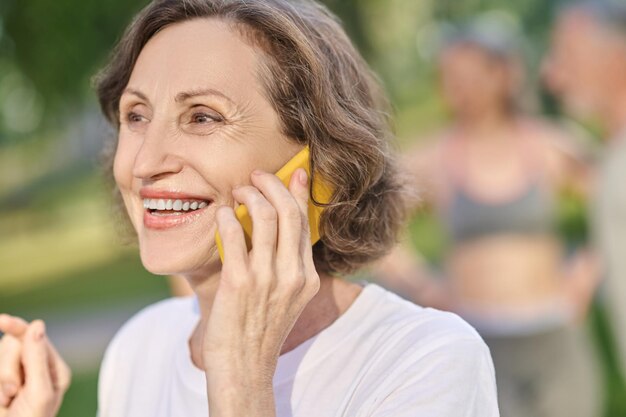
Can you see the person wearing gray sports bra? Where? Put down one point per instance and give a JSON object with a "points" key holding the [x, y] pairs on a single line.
{"points": [[532, 212], [478, 224], [493, 180]]}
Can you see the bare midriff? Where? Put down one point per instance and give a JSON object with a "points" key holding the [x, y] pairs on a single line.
{"points": [[506, 272]]}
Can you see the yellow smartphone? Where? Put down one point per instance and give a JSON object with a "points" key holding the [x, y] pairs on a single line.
{"points": [[320, 190]]}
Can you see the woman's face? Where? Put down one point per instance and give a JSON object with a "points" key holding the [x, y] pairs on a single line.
{"points": [[472, 83], [194, 124], [584, 64]]}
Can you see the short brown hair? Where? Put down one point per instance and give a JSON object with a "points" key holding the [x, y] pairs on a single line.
{"points": [[325, 96]]}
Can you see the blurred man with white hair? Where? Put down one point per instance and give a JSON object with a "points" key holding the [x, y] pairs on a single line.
{"points": [[586, 68]]}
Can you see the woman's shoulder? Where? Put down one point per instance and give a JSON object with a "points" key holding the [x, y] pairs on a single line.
{"points": [[160, 320], [151, 337], [424, 327], [423, 337], [162, 312], [415, 360], [383, 322]]}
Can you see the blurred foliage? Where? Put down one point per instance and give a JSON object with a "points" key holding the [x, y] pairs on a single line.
{"points": [[51, 49], [615, 386], [96, 287], [58, 45]]}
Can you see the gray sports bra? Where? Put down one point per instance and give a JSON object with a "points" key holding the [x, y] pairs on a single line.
{"points": [[531, 212]]}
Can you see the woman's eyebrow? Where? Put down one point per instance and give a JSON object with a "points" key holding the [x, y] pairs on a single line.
{"points": [[186, 95], [183, 95], [135, 92]]}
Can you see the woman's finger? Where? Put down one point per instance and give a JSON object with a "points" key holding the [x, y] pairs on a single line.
{"points": [[36, 363], [233, 240], [299, 187], [264, 224], [289, 214], [63, 374], [4, 402], [11, 377], [10, 365], [12, 325]]}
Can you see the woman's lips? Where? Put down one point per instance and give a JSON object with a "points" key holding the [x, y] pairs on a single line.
{"points": [[146, 192], [163, 219], [164, 209]]}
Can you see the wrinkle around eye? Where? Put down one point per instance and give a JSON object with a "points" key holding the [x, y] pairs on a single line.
{"points": [[202, 129], [134, 121]]}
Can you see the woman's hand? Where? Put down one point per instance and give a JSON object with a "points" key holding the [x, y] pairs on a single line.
{"points": [[260, 295], [33, 377]]}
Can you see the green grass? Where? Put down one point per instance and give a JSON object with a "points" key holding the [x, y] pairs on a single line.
{"points": [[100, 286], [81, 398], [53, 189]]}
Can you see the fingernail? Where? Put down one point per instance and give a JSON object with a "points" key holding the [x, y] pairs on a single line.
{"points": [[257, 172], [303, 177], [9, 389]]}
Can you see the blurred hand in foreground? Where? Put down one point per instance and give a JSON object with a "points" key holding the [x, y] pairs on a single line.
{"points": [[33, 376]]}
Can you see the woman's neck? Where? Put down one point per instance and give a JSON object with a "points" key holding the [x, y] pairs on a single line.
{"points": [[488, 132], [333, 298], [485, 123]]}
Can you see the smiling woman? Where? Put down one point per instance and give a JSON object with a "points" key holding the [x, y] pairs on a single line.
{"points": [[209, 98]]}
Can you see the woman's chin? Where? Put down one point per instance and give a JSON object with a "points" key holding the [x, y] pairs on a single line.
{"points": [[167, 261]]}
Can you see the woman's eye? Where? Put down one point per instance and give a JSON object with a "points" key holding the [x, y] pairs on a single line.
{"points": [[203, 118], [133, 117]]}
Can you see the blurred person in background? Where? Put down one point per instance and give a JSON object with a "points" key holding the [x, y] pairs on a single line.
{"points": [[494, 177], [586, 68]]}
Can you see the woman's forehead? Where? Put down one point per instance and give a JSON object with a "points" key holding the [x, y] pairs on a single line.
{"points": [[199, 53]]}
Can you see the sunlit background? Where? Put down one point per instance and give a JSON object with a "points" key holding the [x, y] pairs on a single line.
{"points": [[61, 256]]}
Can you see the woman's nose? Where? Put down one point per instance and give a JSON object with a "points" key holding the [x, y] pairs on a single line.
{"points": [[156, 156]]}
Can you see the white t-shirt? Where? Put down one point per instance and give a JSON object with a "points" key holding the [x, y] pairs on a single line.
{"points": [[384, 357]]}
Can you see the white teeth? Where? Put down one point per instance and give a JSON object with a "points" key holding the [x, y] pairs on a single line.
{"points": [[174, 205]]}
